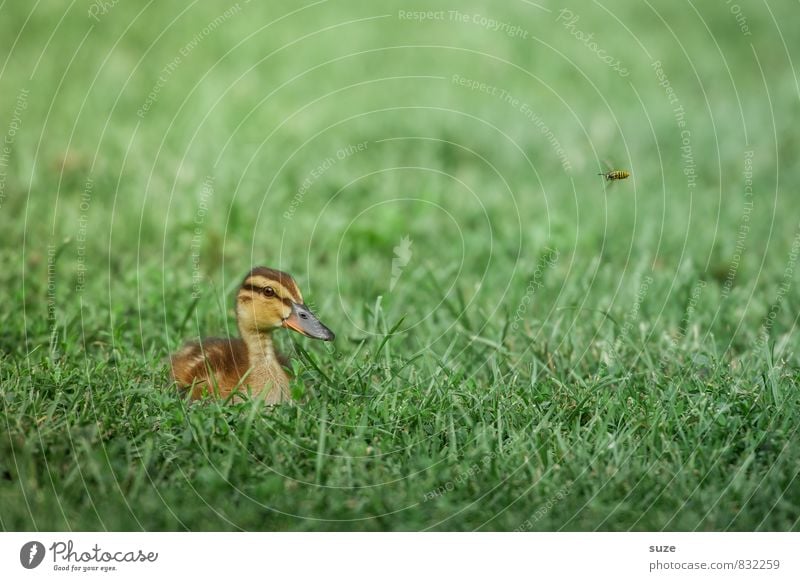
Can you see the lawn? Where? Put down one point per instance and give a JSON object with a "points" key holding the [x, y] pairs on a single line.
{"points": [[520, 345]]}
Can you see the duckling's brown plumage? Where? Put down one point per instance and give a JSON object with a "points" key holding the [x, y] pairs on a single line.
{"points": [[267, 300]]}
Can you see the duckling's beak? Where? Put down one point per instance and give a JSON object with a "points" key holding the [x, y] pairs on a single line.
{"points": [[305, 322]]}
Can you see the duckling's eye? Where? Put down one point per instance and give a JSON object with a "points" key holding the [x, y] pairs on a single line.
{"points": [[268, 291]]}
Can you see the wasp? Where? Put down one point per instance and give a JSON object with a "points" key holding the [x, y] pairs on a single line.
{"points": [[615, 174]]}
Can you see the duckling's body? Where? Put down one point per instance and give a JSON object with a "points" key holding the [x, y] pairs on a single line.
{"points": [[220, 366], [267, 300]]}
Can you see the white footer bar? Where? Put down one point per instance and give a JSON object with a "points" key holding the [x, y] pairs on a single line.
{"points": [[353, 556]]}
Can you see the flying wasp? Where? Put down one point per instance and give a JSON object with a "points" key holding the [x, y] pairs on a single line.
{"points": [[615, 174]]}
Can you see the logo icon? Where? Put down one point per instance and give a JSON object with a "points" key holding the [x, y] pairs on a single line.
{"points": [[402, 256], [31, 554]]}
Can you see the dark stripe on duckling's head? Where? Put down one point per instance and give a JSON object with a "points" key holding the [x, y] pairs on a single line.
{"points": [[261, 277]]}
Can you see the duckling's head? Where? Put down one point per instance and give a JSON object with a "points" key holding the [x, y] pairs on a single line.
{"points": [[269, 299]]}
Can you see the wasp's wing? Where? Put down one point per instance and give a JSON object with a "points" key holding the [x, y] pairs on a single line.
{"points": [[607, 184]]}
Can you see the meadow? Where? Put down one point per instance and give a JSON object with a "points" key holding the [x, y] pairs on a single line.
{"points": [[520, 345]]}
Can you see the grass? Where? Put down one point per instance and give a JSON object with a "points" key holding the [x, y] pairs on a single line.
{"points": [[545, 355]]}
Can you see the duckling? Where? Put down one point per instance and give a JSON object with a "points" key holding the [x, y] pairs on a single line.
{"points": [[267, 300]]}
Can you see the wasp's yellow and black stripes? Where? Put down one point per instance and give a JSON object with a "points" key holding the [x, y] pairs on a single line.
{"points": [[615, 174]]}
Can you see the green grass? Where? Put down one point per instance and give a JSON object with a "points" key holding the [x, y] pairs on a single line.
{"points": [[551, 357]]}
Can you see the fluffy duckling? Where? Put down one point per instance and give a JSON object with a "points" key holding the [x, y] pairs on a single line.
{"points": [[267, 300]]}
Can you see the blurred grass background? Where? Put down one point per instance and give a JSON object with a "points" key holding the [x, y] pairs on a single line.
{"points": [[633, 346]]}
